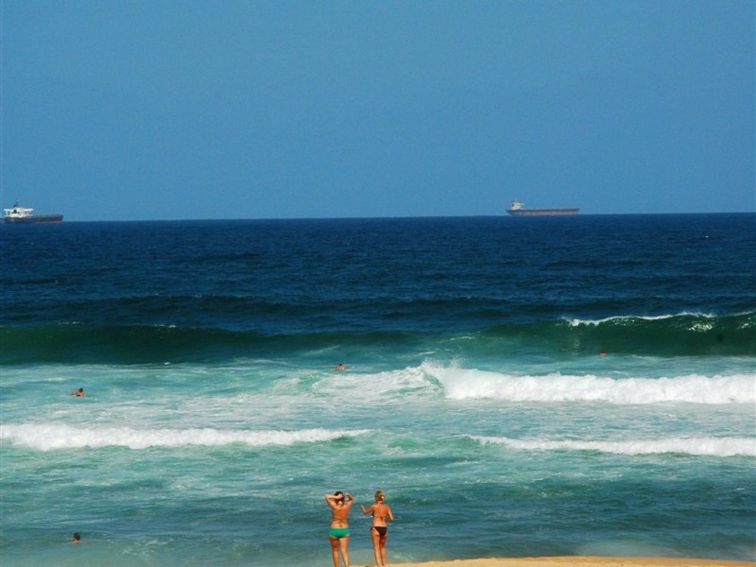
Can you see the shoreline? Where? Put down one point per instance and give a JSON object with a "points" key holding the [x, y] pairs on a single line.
{"points": [[581, 560]]}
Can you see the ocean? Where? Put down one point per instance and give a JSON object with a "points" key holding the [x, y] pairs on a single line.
{"points": [[516, 386]]}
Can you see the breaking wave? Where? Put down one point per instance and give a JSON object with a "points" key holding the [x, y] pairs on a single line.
{"points": [[684, 334], [461, 384], [47, 437], [699, 446]]}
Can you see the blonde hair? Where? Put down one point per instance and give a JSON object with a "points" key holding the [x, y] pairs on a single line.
{"points": [[379, 495]]}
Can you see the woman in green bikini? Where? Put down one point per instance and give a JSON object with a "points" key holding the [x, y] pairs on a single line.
{"points": [[340, 504]]}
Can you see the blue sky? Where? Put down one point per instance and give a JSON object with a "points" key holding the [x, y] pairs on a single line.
{"points": [[125, 110]]}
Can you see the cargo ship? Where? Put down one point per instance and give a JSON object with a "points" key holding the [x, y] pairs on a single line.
{"points": [[24, 215], [518, 210]]}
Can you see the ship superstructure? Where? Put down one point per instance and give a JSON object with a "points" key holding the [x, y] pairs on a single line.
{"points": [[25, 215]]}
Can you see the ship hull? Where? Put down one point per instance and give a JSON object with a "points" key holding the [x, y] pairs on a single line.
{"points": [[34, 219], [542, 212]]}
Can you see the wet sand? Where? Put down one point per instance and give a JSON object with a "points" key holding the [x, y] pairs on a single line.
{"points": [[584, 561]]}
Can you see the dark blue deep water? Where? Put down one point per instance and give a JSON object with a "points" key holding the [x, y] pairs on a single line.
{"points": [[516, 386]]}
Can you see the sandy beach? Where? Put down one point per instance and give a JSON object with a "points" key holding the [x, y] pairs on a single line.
{"points": [[586, 561]]}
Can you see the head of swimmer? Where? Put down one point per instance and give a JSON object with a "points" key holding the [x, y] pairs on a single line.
{"points": [[379, 496], [339, 496]]}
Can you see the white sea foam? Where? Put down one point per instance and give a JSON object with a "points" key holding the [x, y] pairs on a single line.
{"points": [[404, 383], [460, 384], [703, 446], [627, 318], [46, 437]]}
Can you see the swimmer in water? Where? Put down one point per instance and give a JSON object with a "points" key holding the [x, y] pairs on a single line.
{"points": [[78, 393], [379, 528], [340, 504], [341, 366], [76, 538]]}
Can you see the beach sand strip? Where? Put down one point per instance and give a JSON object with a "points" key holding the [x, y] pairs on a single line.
{"points": [[581, 561]]}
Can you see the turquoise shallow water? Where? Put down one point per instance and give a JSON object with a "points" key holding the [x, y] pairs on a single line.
{"points": [[555, 406]]}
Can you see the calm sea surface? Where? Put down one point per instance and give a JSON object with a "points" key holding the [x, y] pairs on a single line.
{"points": [[543, 386]]}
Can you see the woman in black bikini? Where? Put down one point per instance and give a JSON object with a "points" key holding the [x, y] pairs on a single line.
{"points": [[379, 528]]}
